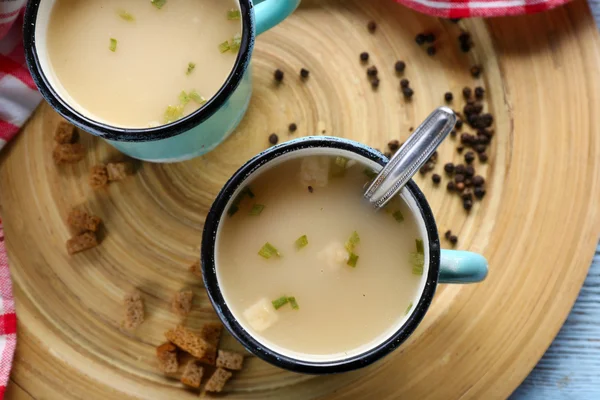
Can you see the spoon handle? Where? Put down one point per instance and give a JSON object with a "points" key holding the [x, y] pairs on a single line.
{"points": [[411, 156]]}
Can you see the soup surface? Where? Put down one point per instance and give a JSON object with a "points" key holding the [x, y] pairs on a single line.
{"points": [[311, 212], [124, 62]]}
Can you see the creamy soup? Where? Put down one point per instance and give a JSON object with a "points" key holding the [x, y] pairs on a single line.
{"points": [[140, 63], [311, 270]]}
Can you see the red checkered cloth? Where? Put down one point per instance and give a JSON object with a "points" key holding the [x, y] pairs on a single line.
{"points": [[18, 99]]}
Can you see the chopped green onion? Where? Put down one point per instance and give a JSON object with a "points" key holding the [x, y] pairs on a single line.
{"points": [[268, 251], [341, 161], [256, 210], [370, 173], [352, 260], [126, 16], [184, 98], [408, 308], [301, 242], [232, 210], [398, 216], [196, 97], [173, 113], [223, 47], [236, 42], [420, 248], [352, 242], [113, 45], [158, 3], [233, 14], [191, 67], [280, 302], [417, 270], [293, 303], [417, 260]]}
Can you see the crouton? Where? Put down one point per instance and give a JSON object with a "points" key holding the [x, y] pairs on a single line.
{"points": [[334, 255], [81, 242], [195, 269], [65, 133], [134, 310], [261, 315], [68, 153], [182, 302], [80, 222], [192, 374], [211, 332], [230, 360], [189, 341], [167, 358], [98, 176], [218, 380], [117, 171]]}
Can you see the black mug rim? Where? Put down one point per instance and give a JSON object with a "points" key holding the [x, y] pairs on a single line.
{"points": [[110, 132], [211, 284]]}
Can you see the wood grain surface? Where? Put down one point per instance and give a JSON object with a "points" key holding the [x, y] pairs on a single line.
{"points": [[538, 224]]}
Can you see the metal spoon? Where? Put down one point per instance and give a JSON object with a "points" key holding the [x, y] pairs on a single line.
{"points": [[411, 157]]}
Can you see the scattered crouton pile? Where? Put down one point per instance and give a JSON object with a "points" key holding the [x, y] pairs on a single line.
{"points": [[203, 347], [84, 227], [67, 150], [101, 174]]}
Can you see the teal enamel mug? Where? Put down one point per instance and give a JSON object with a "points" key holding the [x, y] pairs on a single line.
{"points": [[185, 138]]}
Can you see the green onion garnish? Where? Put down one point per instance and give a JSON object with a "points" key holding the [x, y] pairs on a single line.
{"points": [[417, 270], [293, 303], [233, 14], [268, 251], [236, 42], [420, 248], [280, 302], [232, 210], [398, 216], [256, 210], [113, 45], [184, 98], [408, 308], [158, 3], [223, 47], [370, 173], [173, 113], [301, 242], [352, 242], [352, 260], [341, 161], [126, 16], [191, 67], [196, 97]]}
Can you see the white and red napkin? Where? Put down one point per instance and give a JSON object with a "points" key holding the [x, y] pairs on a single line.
{"points": [[19, 97]]}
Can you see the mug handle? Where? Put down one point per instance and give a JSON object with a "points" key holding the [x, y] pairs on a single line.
{"points": [[458, 266], [269, 13]]}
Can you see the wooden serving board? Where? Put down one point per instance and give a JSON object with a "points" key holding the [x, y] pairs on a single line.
{"points": [[538, 224]]}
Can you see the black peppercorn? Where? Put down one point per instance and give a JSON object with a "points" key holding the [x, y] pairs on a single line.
{"points": [[459, 124], [467, 204], [466, 92], [310, 189], [448, 234], [407, 92], [478, 180], [465, 47], [449, 167], [404, 83], [451, 186], [469, 157], [467, 195], [436, 178], [420, 39], [475, 71], [453, 239], [448, 96], [479, 192], [375, 83], [273, 138], [304, 73], [469, 171], [372, 26], [364, 56], [372, 71], [292, 128], [458, 178], [431, 50], [480, 148], [479, 92], [460, 186], [278, 75], [460, 169], [394, 145], [430, 38], [400, 66], [459, 149], [483, 157]]}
